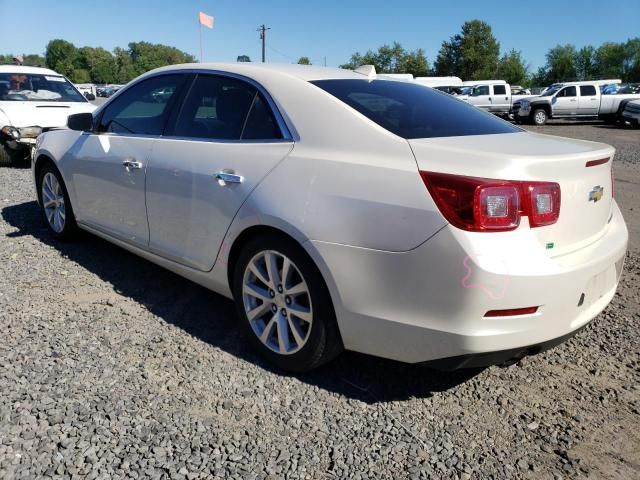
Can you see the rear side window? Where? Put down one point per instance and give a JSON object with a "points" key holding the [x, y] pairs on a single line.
{"points": [[587, 90], [216, 108], [224, 108], [261, 124], [499, 90], [414, 111], [142, 108], [567, 92]]}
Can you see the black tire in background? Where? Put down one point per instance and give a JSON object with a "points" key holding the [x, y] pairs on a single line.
{"points": [[323, 342], [8, 157], [70, 228]]}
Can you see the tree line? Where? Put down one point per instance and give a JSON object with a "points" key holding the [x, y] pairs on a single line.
{"points": [[474, 54], [97, 65]]}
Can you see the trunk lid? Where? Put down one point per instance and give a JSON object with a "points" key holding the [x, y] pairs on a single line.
{"points": [[586, 196]]}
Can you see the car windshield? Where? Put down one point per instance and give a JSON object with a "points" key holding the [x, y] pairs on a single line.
{"points": [[550, 92], [30, 87], [412, 111]]}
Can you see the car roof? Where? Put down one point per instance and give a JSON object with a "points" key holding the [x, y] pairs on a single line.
{"points": [[303, 72], [23, 69]]}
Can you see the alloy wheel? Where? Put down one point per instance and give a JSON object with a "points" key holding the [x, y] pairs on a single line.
{"points": [[277, 302], [53, 202], [541, 117]]}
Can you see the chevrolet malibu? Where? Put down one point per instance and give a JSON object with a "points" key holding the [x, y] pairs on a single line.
{"points": [[341, 210]]}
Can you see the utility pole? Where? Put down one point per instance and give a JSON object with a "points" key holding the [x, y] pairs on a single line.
{"points": [[263, 36]]}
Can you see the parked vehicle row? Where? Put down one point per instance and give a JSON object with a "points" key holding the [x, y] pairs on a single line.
{"points": [[574, 100], [396, 220]]}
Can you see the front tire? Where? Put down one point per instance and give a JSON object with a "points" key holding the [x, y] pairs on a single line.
{"points": [[8, 157], [539, 117], [284, 305], [55, 204]]}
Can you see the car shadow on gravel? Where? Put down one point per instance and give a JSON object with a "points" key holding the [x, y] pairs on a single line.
{"points": [[211, 317]]}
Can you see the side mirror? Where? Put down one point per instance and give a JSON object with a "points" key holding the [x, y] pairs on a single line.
{"points": [[80, 121], [90, 96]]}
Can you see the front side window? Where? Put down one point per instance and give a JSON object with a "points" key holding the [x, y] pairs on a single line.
{"points": [[414, 111], [29, 87], [587, 90], [481, 90], [567, 92], [142, 108], [499, 90], [224, 108]]}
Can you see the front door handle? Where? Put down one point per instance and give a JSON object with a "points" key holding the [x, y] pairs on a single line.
{"points": [[228, 176], [131, 164]]}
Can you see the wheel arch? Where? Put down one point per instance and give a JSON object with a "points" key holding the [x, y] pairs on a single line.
{"points": [[253, 231], [38, 164], [544, 106]]}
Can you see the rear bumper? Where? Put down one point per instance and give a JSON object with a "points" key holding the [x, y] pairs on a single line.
{"points": [[430, 303], [501, 357]]}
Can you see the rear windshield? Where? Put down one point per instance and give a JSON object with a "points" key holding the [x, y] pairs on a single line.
{"points": [[414, 111], [31, 87]]}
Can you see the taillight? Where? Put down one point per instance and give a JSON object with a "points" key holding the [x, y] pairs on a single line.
{"points": [[542, 204], [481, 204], [496, 207]]}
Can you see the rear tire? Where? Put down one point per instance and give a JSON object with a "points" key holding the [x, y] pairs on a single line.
{"points": [[55, 204], [283, 304], [539, 117]]}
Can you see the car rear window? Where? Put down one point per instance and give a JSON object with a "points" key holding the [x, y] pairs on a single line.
{"points": [[414, 111]]}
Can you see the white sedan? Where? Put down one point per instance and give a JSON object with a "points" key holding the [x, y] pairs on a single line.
{"points": [[343, 210]]}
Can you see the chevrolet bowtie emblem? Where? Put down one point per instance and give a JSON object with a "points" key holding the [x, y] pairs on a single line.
{"points": [[596, 193]]}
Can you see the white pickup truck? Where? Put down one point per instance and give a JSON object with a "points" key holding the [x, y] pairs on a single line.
{"points": [[576, 100], [495, 96], [33, 99]]}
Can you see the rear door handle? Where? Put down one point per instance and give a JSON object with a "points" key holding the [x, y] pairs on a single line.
{"points": [[228, 176], [131, 164]]}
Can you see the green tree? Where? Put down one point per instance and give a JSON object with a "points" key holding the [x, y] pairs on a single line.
{"points": [[472, 54], [539, 79], [60, 56], [561, 64], [80, 75], [243, 58], [512, 68], [448, 58], [632, 60], [98, 62], [585, 63], [609, 60], [147, 56], [125, 70], [304, 61], [478, 51], [391, 59], [415, 63]]}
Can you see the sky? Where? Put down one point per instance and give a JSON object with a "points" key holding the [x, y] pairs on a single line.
{"points": [[316, 29]]}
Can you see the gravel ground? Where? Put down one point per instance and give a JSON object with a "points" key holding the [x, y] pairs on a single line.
{"points": [[111, 367]]}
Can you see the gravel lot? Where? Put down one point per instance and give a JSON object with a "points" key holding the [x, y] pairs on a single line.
{"points": [[111, 367]]}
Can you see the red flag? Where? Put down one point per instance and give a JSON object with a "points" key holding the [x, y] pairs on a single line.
{"points": [[205, 20]]}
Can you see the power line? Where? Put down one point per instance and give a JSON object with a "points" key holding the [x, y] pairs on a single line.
{"points": [[280, 53]]}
